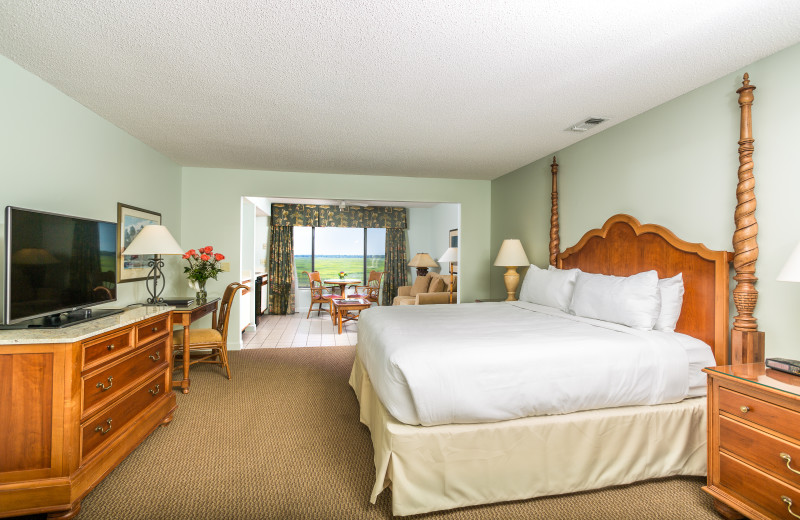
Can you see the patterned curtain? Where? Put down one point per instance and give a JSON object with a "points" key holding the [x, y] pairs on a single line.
{"points": [[332, 216], [281, 269], [396, 264]]}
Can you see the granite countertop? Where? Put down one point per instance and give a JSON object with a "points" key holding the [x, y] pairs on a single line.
{"points": [[82, 330]]}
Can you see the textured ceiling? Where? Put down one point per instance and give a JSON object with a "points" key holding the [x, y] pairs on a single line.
{"points": [[465, 88]]}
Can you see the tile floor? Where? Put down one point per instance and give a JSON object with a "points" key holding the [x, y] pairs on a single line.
{"points": [[294, 330]]}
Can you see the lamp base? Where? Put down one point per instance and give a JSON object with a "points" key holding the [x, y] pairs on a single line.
{"points": [[422, 271], [511, 279]]}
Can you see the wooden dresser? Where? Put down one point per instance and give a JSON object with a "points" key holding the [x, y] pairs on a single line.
{"points": [[75, 402], [754, 442]]}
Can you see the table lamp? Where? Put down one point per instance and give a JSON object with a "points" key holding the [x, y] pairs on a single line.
{"points": [[157, 241], [422, 261], [450, 256], [511, 256]]}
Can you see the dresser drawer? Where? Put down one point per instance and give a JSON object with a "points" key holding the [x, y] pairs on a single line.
{"points": [[760, 449], [151, 330], [759, 489], [97, 351], [111, 422], [102, 386], [776, 418]]}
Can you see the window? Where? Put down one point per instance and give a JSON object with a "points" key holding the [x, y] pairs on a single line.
{"points": [[331, 250]]}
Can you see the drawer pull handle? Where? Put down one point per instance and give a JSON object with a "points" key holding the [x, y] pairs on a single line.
{"points": [[157, 357], [104, 388], [788, 502], [110, 347], [788, 459], [154, 329], [745, 409], [101, 430], [156, 390]]}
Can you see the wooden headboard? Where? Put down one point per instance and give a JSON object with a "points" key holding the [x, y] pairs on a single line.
{"points": [[623, 247]]}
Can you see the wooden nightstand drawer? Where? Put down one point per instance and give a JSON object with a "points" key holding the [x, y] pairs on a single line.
{"points": [[760, 412], [97, 351], [763, 492], [149, 331], [761, 449], [111, 422], [100, 387]]}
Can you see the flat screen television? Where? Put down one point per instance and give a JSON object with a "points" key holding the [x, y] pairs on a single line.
{"points": [[56, 266]]}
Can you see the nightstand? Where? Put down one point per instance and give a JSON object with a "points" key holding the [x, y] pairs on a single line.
{"points": [[486, 300], [753, 442]]}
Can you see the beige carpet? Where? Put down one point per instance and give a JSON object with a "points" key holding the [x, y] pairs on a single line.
{"points": [[282, 440]]}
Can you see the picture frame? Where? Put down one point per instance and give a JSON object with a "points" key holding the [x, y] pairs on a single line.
{"points": [[131, 220]]}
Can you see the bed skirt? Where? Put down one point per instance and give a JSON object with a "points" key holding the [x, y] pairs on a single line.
{"points": [[432, 468]]}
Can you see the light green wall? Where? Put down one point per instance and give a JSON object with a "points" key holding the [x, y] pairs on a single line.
{"points": [[61, 157], [676, 165], [212, 199]]}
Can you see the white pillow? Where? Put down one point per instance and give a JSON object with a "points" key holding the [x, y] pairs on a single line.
{"points": [[548, 287], [634, 301], [671, 302]]}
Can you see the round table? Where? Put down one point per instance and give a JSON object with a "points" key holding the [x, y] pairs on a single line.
{"points": [[342, 283]]}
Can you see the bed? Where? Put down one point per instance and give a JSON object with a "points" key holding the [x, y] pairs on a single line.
{"points": [[443, 458]]}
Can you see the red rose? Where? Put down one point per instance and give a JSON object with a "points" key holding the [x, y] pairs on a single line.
{"points": [[186, 256], [191, 252], [209, 249], [218, 257], [204, 258]]}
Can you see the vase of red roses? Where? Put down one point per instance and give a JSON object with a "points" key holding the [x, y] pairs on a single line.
{"points": [[204, 264]]}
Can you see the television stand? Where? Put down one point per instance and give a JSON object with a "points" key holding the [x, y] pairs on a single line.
{"points": [[64, 319]]}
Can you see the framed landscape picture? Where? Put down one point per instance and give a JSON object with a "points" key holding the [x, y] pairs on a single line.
{"points": [[131, 220]]}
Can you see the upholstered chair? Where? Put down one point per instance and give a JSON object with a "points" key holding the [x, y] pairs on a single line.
{"points": [[213, 340]]}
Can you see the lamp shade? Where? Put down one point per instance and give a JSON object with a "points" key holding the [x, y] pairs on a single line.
{"points": [[153, 240], [791, 269], [423, 260], [511, 254], [450, 256]]}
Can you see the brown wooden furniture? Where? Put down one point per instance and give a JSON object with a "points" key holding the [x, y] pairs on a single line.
{"points": [[623, 247], [319, 293], [371, 290], [747, 343], [753, 442], [343, 309], [185, 315], [75, 402], [342, 283], [213, 340]]}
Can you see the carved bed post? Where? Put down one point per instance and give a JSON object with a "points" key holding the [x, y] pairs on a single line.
{"points": [[554, 240], [747, 343]]}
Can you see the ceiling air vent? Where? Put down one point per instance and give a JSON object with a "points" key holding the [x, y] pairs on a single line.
{"points": [[587, 124]]}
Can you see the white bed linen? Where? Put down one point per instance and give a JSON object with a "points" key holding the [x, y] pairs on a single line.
{"points": [[486, 362]]}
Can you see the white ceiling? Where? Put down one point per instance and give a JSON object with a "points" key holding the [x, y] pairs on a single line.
{"points": [[463, 88]]}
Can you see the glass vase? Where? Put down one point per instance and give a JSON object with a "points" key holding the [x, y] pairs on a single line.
{"points": [[202, 295]]}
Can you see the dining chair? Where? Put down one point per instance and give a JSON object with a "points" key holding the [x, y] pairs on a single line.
{"points": [[214, 339], [320, 294], [371, 290]]}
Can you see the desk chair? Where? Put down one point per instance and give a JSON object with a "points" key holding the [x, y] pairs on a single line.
{"points": [[214, 339]]}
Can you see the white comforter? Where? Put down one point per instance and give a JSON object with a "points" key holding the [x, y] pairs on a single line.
{"points": [[486, 362]]}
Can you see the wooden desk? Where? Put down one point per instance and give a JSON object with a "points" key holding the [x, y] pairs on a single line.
{"points": [[185, 315], [342, 283]]}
